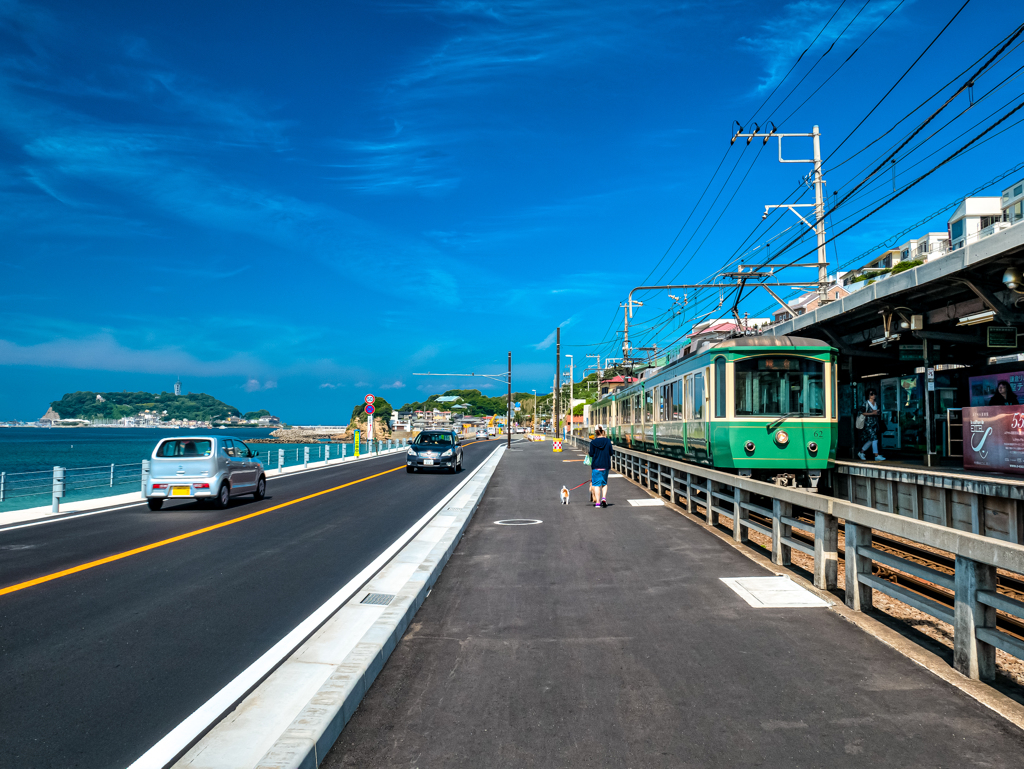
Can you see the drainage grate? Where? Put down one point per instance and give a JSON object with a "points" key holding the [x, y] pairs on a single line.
{"points": [[378, 599]]}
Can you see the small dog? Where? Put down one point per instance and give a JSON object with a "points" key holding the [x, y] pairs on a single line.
{"points": [[564, 495]]}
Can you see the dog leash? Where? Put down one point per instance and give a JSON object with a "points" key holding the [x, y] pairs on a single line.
{"points": [[576, 487]]}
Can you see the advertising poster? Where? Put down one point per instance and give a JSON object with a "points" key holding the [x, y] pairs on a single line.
{"points": [[994, 439], [985, 389]]}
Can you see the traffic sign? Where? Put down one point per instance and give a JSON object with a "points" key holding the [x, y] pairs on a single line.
{"points": [[369, 408], [369, 399]]}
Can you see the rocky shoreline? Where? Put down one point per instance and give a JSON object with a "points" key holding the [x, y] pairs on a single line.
{"points": [[381, 431]]}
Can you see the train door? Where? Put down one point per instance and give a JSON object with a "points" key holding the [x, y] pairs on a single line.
{"points": [[696, 421]]}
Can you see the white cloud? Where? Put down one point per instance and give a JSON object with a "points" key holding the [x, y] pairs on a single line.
{"points": [[549, 340], [397, 384], [254, 385], [328, 385]]}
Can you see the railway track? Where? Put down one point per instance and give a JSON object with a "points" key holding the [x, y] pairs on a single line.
{"points": [[1012, 587]]}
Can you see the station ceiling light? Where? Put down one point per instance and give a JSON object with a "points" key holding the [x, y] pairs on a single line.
{"points": [[979, 317]]}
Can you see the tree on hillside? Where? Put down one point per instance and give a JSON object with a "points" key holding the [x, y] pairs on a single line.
{"points": [[382, 410]]}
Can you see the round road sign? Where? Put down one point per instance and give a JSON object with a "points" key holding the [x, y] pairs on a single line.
{"points": [[369, 408], [368, 399]]}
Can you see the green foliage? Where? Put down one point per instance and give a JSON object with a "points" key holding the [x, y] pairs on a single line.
{"points": [[871, 275], [381, 410], [907, 265], [199, 406], [479, 404], [257, 414]]}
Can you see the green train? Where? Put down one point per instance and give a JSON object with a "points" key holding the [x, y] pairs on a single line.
{"points": [[760, 406]]}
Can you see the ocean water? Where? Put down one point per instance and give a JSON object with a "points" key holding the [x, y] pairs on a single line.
{"points": [[29, 454]]}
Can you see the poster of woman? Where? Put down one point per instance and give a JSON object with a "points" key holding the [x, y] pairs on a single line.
{"points": [[1006, 389]]}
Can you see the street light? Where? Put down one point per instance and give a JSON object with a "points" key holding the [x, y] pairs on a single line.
{"points": [[534, 412]]}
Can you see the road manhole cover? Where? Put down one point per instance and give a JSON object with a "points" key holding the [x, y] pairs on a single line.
{"points": [[518, 522]]}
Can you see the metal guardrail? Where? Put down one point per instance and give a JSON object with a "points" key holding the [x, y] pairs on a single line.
{"points": [[59, 482], [712, 493]]}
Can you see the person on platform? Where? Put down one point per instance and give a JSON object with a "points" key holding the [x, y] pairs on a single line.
{"points": [[1005, 396], [600, 454], [872, 428]]}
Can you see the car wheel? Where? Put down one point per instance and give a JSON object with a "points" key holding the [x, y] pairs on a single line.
{"points": [[408, 469], [261, 489], [155, 504], [223, 496]]}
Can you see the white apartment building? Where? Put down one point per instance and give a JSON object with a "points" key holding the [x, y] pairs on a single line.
{"points": [[1012, 202], [925, 248], [974, 218]]}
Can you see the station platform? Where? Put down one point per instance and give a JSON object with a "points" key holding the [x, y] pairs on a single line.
{"points": [[607, 637]]}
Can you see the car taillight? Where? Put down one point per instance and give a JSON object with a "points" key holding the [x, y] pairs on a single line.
{"points": [[201, 485], [159, 485]]}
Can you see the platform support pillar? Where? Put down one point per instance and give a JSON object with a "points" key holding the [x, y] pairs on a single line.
{"points": [[858, 593], [710, 516], [826, 550], [689, 494], [971, 656], [781, 552]]}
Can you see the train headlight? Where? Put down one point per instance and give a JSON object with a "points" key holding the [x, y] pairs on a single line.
{"points": [[812, 447], [749, 446], [782, 437]]}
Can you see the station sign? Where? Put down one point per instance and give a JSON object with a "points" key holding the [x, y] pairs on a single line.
{"points": [[1002, 336]]}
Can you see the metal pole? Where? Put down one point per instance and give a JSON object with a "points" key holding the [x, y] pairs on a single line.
{"points": [[111, 476], [305, 456], [3, 484], [280, 460], [558, 384], [145, 476], [572, 376], [508, 423], [819, 219]]}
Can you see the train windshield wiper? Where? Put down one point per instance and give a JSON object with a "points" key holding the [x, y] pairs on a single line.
{"points": [[784, 417]]}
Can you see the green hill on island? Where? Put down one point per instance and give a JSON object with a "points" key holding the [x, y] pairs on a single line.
{"points": [[198, 406], [478, 403]]}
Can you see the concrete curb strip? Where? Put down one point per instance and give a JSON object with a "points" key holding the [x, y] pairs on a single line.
{"points": [[294, 717]]}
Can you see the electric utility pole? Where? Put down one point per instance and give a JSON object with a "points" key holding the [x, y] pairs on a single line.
{"points": [[819, 183], [508, 426], [571, 407], [558, 382]]}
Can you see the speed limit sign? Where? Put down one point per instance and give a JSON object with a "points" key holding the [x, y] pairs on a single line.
{"points": [[368, 399]]}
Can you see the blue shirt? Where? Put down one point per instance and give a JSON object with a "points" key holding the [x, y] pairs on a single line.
{"points": [[601, 454]]}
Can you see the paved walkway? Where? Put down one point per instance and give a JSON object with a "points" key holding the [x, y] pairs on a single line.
{"points": [[607, 638]]}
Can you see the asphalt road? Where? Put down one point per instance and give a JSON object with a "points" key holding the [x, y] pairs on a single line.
{"points": [[605, 638], [99, 664]]}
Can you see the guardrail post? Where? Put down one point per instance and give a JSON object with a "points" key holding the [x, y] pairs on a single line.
{"points": [[689, 494], [145, 476], [972, 657], [858, 594], [58, 487], [710, 516], [305, 456], [327, 454], [111, 476], [740, 533], [781, 552], [826, 550], [3, 486], [280, 461], [343, 447]]}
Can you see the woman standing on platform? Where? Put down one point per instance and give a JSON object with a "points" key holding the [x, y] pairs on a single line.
{"points": [[872, 428], [600, 454]]}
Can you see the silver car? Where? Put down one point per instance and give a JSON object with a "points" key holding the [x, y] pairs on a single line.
{"points": [[204, 468]]}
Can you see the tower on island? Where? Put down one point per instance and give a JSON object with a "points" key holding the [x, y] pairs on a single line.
{"points": [[177, 387]]}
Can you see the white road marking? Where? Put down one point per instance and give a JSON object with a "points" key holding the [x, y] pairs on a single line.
{"points": [[773, 592], [647, 502], [616, 475]]}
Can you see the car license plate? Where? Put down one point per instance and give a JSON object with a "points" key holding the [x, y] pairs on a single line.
{"points": [[181, 491], [428, 461]]}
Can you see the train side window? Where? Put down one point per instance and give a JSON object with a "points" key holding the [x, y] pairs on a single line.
{"points": [[698, 396], [720, 387], [677, 399], [688, 397], [665, 404]]}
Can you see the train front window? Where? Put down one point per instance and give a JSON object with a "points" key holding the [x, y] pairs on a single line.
{"points": [[774, 385]]}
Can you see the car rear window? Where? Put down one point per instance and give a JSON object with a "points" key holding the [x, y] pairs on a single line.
{"points": [[435, 439], [186, 447]]}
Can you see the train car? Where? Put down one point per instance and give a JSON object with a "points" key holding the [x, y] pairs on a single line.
{"points": [[763, 407]]}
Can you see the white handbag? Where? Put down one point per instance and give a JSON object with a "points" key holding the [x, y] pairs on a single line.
{"points": [[861, 419]]}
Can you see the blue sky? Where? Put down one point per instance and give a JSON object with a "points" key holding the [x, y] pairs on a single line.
{"points": [[290, 205]]}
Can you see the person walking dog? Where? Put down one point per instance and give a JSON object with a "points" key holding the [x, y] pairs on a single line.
{"points": [[600, 454]]}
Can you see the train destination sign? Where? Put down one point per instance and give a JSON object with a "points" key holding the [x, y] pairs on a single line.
{"points": [[994, 438]]}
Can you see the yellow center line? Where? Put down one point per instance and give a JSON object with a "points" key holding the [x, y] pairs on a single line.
{"points": [[180, 537]]}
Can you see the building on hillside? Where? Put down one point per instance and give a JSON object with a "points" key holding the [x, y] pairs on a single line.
{"points": [[1013, 203], [177, 387], [616, 383], [809, 302], [270, 421], [100, 398], [974, 219]]}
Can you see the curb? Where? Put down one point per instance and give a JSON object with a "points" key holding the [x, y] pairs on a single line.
{"points": [[342, 658]]}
